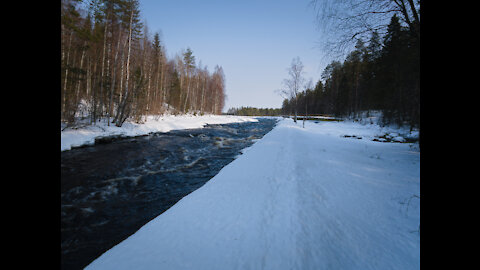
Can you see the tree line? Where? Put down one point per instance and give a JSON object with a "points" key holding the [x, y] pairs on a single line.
{"points": [[111, 68], [381, 74], [252, 111]]}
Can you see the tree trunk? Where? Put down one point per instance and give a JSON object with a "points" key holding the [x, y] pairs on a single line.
{"points": [[162, 85], [77, 93], [120, 99], [122, 117], [201, 101], [188, 90], [114, 75], [147, 108], [103, 69], [94, 93], [66, 74]]}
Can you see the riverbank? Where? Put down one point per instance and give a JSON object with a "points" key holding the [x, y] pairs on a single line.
{"points": [[151, 173], [86, 134], [299, 198]]}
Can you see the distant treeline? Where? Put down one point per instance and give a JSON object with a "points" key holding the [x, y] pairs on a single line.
{"points": [[251, 111], [112, 68], [383, 75]]}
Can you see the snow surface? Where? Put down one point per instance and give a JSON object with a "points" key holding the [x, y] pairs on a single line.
{"points": [[299, 198], [87, 134]]}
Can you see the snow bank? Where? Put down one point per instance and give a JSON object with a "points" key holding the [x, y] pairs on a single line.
{"points": [[299, 198], [87, 134], [370, 131]]}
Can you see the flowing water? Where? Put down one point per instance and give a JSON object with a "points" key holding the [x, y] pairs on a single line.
{"points": [[110, 190]]}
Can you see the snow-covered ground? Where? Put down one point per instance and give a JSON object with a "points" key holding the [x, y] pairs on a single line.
{"points": [[87, 134], [299, 198]]}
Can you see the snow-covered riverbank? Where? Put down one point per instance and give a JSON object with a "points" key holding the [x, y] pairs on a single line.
{"points": [[88, 133], [300, 198]]}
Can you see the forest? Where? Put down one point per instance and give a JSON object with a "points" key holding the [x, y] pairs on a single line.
{"points": [[113, 69], [382, 74], [252, 111]]}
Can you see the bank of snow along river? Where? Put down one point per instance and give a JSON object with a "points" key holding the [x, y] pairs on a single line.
{"points": [[331, 195], [111, 189]]}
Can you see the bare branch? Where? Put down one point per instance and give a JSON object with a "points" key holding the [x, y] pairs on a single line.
{"points": [[344, 21]]}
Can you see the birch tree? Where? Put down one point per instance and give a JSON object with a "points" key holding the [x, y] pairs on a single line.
{"points": [[134, 28], [116, 72], [294, 83]]}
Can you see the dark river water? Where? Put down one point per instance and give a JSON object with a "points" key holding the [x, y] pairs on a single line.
{"points": [[110, 190]]}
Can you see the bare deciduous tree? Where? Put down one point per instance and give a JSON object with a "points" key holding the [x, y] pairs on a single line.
{"points": [[295, 83], [111, 71], [343, 22]]}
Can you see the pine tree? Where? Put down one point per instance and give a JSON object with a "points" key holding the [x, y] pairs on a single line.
{"points": [[189, 61]]}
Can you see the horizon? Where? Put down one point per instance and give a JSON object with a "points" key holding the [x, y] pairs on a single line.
{"points": [[254, 42]]}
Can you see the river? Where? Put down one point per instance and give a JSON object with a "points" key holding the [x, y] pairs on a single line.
{"points": [[110, 190]]}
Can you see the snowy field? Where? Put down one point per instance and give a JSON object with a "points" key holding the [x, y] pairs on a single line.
{"points": [[87, 134], [299, 198]]}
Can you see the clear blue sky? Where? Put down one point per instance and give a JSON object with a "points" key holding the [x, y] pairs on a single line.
{"points": [[253, 41]]}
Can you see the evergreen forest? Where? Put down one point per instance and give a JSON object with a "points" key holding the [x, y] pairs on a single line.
{"points": [[381, 74], [252, 111]]}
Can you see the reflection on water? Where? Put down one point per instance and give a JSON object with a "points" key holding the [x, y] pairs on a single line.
{"points": [[108, 191]]}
